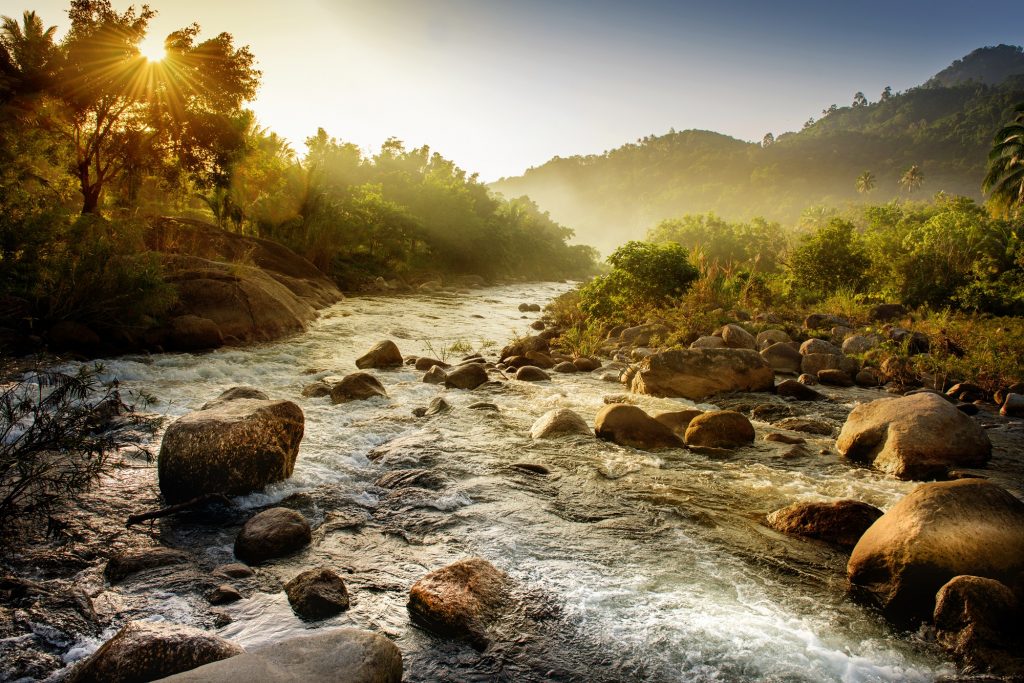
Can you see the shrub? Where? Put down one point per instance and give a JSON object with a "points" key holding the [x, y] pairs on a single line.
{"points": [[643, 276], [830, 259]]}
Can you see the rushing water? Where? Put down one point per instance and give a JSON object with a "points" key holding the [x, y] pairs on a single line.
{"points": [[630, 565]]}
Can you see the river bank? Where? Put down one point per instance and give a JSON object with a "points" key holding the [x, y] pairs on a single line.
{"points": [[629, 565]]}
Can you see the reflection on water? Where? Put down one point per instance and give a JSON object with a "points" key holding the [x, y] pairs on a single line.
{"points": [[631, 566]]}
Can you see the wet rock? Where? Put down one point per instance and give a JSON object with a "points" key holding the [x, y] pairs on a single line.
{"points": [[628, 425], [835, 378], [772, 412], [148, 651], [483, 406], [566, 367], [782, 357], [805, 425], [778, 437], [528, 308], [859, 344], [193, 333], [719, 429], [532, 468], [968, 408], [317, 594], [867, 377], [708, 341], [586, 364], [435, 375], [842, 522], [521, 347], [913, 437], [808, 379], [420, 478], [938, 531], [384, 354], [423, 363], [557, 423], [798, 390], [537, 325], [767, 338], [678, 420], [467, 377], [234, 570], [272, 533], [540, 360], [234, 448], [696, 374], [977, 620], [223, 595], [235, 393], [460, 600], [735, 337], [126, 563], [316, 390], [529, 373], [1013, 406], [329, 656], [358, 386]]}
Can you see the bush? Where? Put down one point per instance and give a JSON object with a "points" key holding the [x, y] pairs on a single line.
{"points": [[643, 276], [828, 260]]}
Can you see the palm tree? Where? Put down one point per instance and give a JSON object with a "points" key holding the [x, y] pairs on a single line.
{"points": [[865, 182], [31, 47], [1004, 182], [911, 179]]}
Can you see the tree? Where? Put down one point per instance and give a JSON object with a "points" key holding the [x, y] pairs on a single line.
{"points": [[865, 182], [643, 275], [767, 140], [832, 109], [31, 50], [830, 259], [912, 179], [115, 96], [1004, 182], [886, 94], [859, 100]]}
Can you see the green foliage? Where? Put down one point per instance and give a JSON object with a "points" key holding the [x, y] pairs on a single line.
{"points": [[828, 260], [756, 245], [643, 275], [1005, 178]]}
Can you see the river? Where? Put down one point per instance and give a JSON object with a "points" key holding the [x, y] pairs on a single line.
{"points": [[631, 566]]}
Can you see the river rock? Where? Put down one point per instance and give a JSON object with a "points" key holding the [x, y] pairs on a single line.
{"points": [[435, 375], [782, 357], [696, 374], [641, 335], [384, 354], [460, 600], [235, 393], [233, 448], [842, 522], [317, 389], [128, 562], [193, 333], [678, 420], [148, 651], [233, 570], [814, 363], [976, 620], [818, 346], [272, 533], [913, 437], [767, 338], [708, 341], [586, 363], [529, 373], [1013, 406], [328, 656], [628, 425], [859, 344], [224, 594], [540, 360], [808, 379], [938, 531], [805, 425], [735, 337], [719, 429], [358, 386], [467, 377], [558, 422], [423, 363], [523, 346], [791, 388], [317, 594], [867, 377], [779, 437], [566, 367], [835, 378]]}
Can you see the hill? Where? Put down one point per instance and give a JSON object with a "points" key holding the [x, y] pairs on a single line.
{"points": [[944, 127]]}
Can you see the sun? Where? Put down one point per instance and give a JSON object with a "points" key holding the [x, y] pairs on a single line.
{"points": [[152, 49]]}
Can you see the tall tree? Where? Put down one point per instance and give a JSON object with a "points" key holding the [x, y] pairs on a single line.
{"points": [[886, 94], [859, 100], [1004, 182], [767, 140], [865, 182], [912, 179], [32, 52]]}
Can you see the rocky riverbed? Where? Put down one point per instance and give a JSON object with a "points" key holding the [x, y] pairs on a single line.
{"points": [[621, 563]]}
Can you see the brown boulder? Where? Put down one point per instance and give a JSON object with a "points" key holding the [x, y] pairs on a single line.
{"points": [[768, 338], [192, 333], [696, 374], [558, 422], [835, 378], [628, 425], [529, 373], [586, 364], [791, 388], [435, 375], [272, 533], [423, 363], [128, 562], [317, 594], [977, 620], [782, 357], [938, 531], [384, 354], [678, 420], [842, 522], [719, 429], [735, 337], [913, 437], [460, 600], [468, 376], [521, 347], [358, 386]]}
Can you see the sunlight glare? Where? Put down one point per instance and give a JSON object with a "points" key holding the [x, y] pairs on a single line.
{"points": [[152, 49]]}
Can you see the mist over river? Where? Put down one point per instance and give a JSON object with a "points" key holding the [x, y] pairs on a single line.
{"points": [[630, 566]]}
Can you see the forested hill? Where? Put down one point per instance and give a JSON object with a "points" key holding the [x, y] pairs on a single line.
{"points": [[944, 128]]}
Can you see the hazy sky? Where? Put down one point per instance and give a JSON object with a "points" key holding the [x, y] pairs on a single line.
{"points": [[499, 86]]}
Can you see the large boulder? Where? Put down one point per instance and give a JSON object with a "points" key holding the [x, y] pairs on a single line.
{"points": [[696, 374], [468, 376], [814, 363], [783, 357], [842, 522], [191, 333], [329, 656], [628, 425], [859, 344], [233, 447], [767, 338], [735, 337], [358, 386], [719, 429], [461, 600], [819, 346], [938, 531], [317, 593], [913, 437], [641, 335], [558, 422], [384, 354], [148, 651], [977, 620], [272, 533]]}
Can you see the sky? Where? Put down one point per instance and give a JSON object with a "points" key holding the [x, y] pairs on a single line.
{"points": [[499, 86]]}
